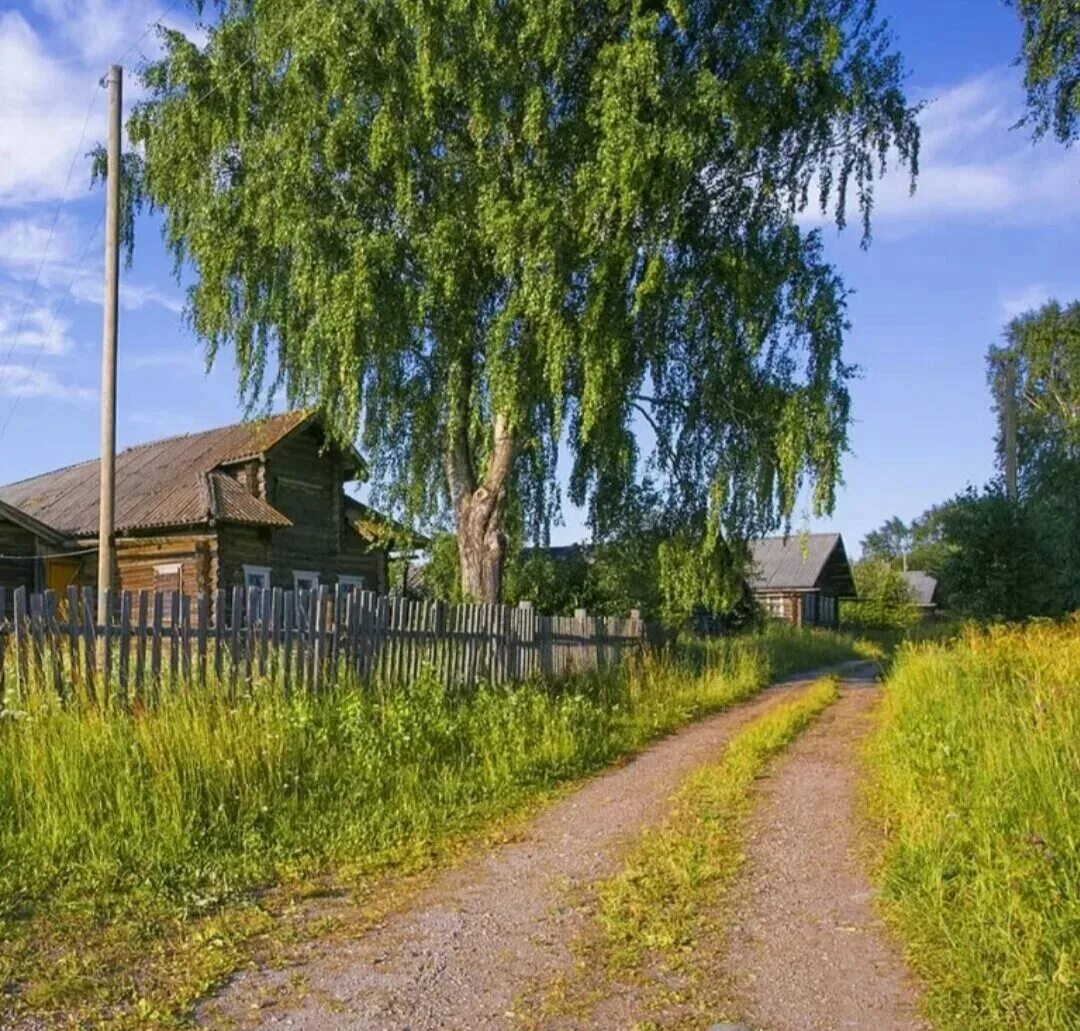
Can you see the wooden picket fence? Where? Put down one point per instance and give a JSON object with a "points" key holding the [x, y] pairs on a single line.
{"points": [[168, 640]]}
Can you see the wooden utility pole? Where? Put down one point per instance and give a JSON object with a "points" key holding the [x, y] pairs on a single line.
{"points": [[106, 532], [1008, 403]]}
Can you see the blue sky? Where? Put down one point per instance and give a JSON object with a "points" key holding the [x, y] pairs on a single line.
{"points": [[992, 230]]}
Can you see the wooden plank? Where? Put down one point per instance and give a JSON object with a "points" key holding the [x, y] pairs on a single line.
{"points": [[250, 633], [201, 624], [319, 649], [336, 600], [124, 657], [288, 618], [185, 639], [174, 639], [21, 621], [55, 651], [274, 631], [219, 636], [140, 644], [36, 642], [157, 631], [89, 642], [264, 628], [107, 640], [237, 616]]}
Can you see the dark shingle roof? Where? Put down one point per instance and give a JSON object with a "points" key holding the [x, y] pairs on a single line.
{"points": [[164, 483], [923, 587], [800, 562]]}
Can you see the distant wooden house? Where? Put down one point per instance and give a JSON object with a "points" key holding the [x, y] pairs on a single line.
{"points": [[802, 578], [257, 504], [925, 591]]}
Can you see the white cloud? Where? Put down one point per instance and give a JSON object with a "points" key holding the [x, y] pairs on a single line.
{"points": [[975, 166], [23, 381], [186, 360], [1018, 302], [65, 258], [32, 327]]}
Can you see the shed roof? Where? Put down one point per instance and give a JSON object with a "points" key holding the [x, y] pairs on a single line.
{"points": [[923, 587], [169, 482], [803, 562]]}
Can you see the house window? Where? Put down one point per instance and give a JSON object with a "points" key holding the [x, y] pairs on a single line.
{"points": [[305, 579], [358, 583], [167, 577], [257, 577], [774, 606]]}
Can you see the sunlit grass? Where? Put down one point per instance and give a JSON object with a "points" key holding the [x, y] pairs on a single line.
{"points": [[134, 841], [976, 771]]}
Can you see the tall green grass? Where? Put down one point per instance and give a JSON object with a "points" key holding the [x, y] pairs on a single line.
{"points": [[122, 818], [976, 779]]}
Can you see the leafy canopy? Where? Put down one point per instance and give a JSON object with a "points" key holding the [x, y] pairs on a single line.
{"points": [[1051, 59], [451, 223]]}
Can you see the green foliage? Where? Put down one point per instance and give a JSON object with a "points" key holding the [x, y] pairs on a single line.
{"points": [[1051, 57], [442, 572], [886, 601], [1042, 348], [922, 541], [974, 771], [481, 231]]}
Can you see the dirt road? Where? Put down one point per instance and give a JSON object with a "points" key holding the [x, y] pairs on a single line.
{"points": [[460, 956], [807, 952]]}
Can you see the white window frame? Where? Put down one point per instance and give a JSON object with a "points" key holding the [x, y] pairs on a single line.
{"points": [[263, 571], [171, 569], [350, 581], [305, 574]]}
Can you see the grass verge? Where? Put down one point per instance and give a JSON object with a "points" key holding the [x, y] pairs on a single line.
{"points": [[975, 772], [141, 853], [652, 915]]}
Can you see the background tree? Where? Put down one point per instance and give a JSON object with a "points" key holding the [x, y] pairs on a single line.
{"points": [[923, 538], [891, 542], [481, 231], [1051, 59]]}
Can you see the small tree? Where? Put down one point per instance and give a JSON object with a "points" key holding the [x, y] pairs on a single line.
{"points": [[886, 600], [485, 231]]}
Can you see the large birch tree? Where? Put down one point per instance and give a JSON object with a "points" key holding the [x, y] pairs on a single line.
{"points": [[485, 232]]}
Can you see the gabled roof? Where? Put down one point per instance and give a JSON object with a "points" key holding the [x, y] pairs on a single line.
{"points": [[923, 587], [169, 482], [802, 562], [14, 515]]}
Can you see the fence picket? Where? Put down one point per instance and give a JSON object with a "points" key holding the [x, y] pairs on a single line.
{"points": [[123, 658]]}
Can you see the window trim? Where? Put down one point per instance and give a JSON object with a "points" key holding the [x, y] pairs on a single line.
{"points": [[305, 574], [353, 580], [168, 569], [263, 571]]}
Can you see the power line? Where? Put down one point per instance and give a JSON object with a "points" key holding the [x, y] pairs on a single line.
{"points": [[153, 24]]}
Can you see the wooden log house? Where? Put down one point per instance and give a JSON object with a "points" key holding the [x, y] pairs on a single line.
{"points": [[256, 504], [802, 579]]}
